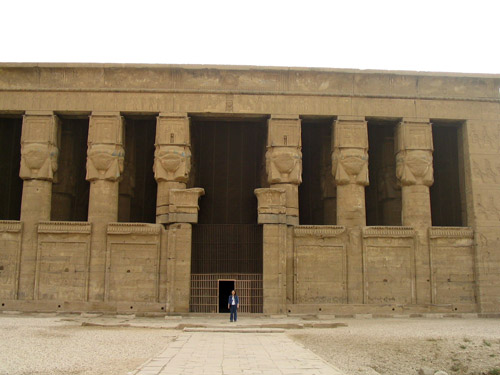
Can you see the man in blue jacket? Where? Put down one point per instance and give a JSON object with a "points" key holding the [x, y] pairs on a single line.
{"points": [[233, 304]]}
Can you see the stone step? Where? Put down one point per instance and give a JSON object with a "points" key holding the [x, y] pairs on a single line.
{"points": [[234, 330]]}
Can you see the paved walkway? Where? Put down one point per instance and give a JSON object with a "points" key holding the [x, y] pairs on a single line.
{"points": [[230, 353]]}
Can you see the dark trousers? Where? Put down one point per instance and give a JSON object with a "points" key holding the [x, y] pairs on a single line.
{"points": [[234, 313]]}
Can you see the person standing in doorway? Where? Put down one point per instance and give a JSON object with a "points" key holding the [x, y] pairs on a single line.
{"points": [[233, 305]]}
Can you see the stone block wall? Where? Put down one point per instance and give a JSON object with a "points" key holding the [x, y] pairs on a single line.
{"points": [[62, 261], [133, 262], [10, 252]]}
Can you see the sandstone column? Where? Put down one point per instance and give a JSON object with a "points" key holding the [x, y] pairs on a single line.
{"points": [[284, 161], [350, 170], [415, 173], [39, 141], [104, 167], [176, 206], [172, 159], [279, 207]]}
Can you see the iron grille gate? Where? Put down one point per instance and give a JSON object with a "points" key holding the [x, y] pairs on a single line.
{"points": [[226, 252]]}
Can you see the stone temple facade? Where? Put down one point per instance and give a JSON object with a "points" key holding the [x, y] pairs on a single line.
{"points": [[158, 189]]}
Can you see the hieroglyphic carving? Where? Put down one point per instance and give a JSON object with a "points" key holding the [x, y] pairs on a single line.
{"points": [[271, 200], [487, 206], [39, 142], [485, 169], [485, 137]]}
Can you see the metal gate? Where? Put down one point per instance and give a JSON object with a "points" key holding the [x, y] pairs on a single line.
{"points": [[205, 292], [222, 252]]}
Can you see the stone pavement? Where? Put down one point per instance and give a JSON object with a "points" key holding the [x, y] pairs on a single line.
{"points": [[230, 353]]}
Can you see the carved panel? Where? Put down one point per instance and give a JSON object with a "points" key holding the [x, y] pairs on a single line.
{"points": [[172, 129], [284, 131], [106, 129], [271, 200], [414, 135], [350, 133]]}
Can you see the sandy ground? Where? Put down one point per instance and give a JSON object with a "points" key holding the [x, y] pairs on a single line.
{"points": [[55, 346], [403, 346]]}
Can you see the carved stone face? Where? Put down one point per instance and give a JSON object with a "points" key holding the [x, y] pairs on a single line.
{"points": [[284, 165], [353, 160], [38, 161], [102, 156], [419, 162], [171, 161], [415, 167]]}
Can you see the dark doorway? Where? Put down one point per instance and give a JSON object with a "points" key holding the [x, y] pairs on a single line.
{"points": [[317, 193], [138, 186], [11, 185], [225, 289], [383, 195], [70, 189], [447, 192]]}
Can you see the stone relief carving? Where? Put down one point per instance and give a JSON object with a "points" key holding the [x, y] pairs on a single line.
{"points": [[350, 166], [284, 165], [485, 171], [270, 200], [105, 162], [414, 167], [485, 137], [172, 163], [388, 186], [487, 206], [38, 161]]}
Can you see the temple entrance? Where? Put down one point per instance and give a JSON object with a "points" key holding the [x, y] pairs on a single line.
{"points": [[228, 162], [225, 289]]}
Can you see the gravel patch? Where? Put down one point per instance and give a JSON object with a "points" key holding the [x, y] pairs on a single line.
{"points": [[56, 346], [403, 346]]}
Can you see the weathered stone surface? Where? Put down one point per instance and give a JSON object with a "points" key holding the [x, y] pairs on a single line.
{"points": [[319, 268]]}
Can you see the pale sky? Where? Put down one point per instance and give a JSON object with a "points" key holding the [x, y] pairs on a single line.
{"points": [[421, 35]]}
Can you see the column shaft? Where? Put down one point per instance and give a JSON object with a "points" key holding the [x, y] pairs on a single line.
{"points": [[105, 157], [39, 141]]}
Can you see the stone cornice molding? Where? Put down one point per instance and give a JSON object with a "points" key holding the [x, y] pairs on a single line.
{"points": [[318, 230], [134, 228], [10, 226], [64, 227], [388, 231], [451, 232]]}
